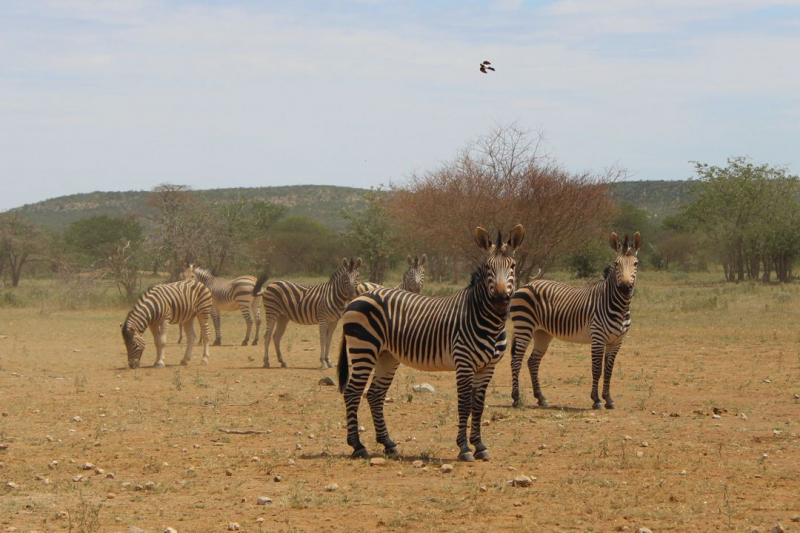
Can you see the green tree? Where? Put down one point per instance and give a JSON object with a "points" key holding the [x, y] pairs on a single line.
{"points": [[93, 239], [301, 244], [20, 242], [373, 232]]}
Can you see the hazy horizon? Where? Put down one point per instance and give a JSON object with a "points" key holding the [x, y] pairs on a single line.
{"points": [[119, 95]]}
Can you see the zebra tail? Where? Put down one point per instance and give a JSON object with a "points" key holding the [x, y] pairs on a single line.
{"points": [[262, 279], [343, 368]]}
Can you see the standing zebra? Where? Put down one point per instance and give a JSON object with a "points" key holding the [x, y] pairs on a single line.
{"points": [[315, 304], [243, 293], [597, 314], [158, 307], [463, 332], [412, 281]]}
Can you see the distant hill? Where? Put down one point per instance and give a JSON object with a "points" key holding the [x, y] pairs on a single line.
{"points": [[323, 203], [320, 202], [659, 198]]}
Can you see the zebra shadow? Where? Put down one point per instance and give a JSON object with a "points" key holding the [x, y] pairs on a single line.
{"points": [[399, 458], [277, 368], [564, 408]]}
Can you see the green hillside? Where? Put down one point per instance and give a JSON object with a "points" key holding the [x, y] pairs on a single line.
{"points": [[323, 203]]}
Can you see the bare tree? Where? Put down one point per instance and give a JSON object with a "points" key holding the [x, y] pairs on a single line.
{"points": [[20, 242], [499, 180]]}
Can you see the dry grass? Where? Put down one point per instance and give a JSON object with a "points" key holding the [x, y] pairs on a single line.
{"points": [[696, 344]]}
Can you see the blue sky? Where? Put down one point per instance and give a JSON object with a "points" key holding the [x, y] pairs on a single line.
{"points": [[122, 95]]}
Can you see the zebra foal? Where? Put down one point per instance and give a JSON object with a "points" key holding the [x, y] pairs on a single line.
{"points": [[597, 314], [413, 277], [309, 304], [463, 332], [242, 293], [158, 307]]}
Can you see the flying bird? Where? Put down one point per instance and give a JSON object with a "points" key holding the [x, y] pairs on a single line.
{"points": [[486, 66]]}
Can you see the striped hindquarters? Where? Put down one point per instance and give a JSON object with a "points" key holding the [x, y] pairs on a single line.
{"points": [[298, 302], [561, 310], [180, 302]]}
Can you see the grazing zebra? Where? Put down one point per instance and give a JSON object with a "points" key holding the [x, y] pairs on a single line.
{"points": [[413, 277], [597, 314], [463, 332], [243, 293], [158, 307], [315, 304]]}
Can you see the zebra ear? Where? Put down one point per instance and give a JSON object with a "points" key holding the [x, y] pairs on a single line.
{"points": [[345, 262], [357, 263], [423, 260], [614, 242], [516, 237], [482, 239], [410, 261], [637, 243]]}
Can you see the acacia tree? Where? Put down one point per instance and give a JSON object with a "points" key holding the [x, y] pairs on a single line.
{"points": [[749, 214], [497, 181], [373, 232], [20, 242]]}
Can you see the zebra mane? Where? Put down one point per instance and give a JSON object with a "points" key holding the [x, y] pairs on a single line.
{"points": [[607, 271], [477, 274], [336, 274]]}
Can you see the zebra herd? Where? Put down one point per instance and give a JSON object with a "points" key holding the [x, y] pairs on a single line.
{"points": [[383, 327]]}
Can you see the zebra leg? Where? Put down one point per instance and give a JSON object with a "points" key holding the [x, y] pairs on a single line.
{"points": [[159, 339], [541, 341], [464, 380], [598, 349], [217, 326], [190, 337], [271, 320], [249, 322], [323, 342], [479, 384], [611, 354], [180, 333], [256, 310], [518, 347], [376, 396], [280, 327], [205, 335], [328, 342], [362, 357]]}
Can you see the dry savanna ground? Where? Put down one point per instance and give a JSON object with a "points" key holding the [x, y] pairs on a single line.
{"points": [[154, 454]]}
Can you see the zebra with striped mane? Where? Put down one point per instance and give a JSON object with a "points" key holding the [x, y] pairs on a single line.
{"points": [[463, 332], [321, 304], [242, 293], [597, 314], [413, 277], [158, 307]]}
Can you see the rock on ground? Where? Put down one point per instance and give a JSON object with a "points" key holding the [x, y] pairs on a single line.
{"points": [[423, 387]]}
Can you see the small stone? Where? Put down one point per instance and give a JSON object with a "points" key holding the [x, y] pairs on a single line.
{"points": [[149, 486], [644, 444], [423, 388], [377, 461], [5, 413], [228, 472], [763, 458], [195, 446], [77, 478], [424, 468], [682, 473], [417, 464], [543, 446], [743, 416], [511, 469], [796, 518], [3, 447], [263, 500], [485, 423], [644, 530], [254, 459], [170, 530], [361, 429], [243, 500], [52, 465], [277, 479], [332, 487], [62, 515], [110, 475], [777, 528], [483, 488], [48, 438], [87, 466], [290, 462], [327, 381], [627, 437], [517, 504], [767, 380], [639, 453], [716, 417], [259, 520], [233, 526], [797, 396], [77, 419], [522, 481], [12, 486], [311, 436], [446, 468], [298, 446]]}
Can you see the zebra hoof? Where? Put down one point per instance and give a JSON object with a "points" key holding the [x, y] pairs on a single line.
{"points": [[204, 362], [391, 451], [597, 405], [184, 362], [483, 455], [158, 365], [284, 365], [217, 342], [467, 457], [543, 403], [330, 365], [360, 454], [517, 403], [610, 405], [255, 343], [266, 365], [245, 342]]}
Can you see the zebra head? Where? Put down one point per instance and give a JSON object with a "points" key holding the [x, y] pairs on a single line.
{"points": [[497, 273], [348, 281], [134, 343], [415, 275], [188, 272], [626, 263]]}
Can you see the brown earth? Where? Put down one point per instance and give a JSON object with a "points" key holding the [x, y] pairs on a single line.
{"points": [[660, 460]]}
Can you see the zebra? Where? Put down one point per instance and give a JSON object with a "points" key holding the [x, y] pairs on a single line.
{"points": [[597, 314], [243, 293], [315, 304], [158, 307], [412, 281], [462, 332]]}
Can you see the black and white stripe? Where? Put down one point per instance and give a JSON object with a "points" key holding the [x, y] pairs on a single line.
{"points": [[463, 332], [158, 307], [322, 304], [597, 314], [242, 293], [413, 277]]}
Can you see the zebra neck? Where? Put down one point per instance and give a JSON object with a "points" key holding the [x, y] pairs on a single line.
{"points": [[479, 303], [615, 296]]}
